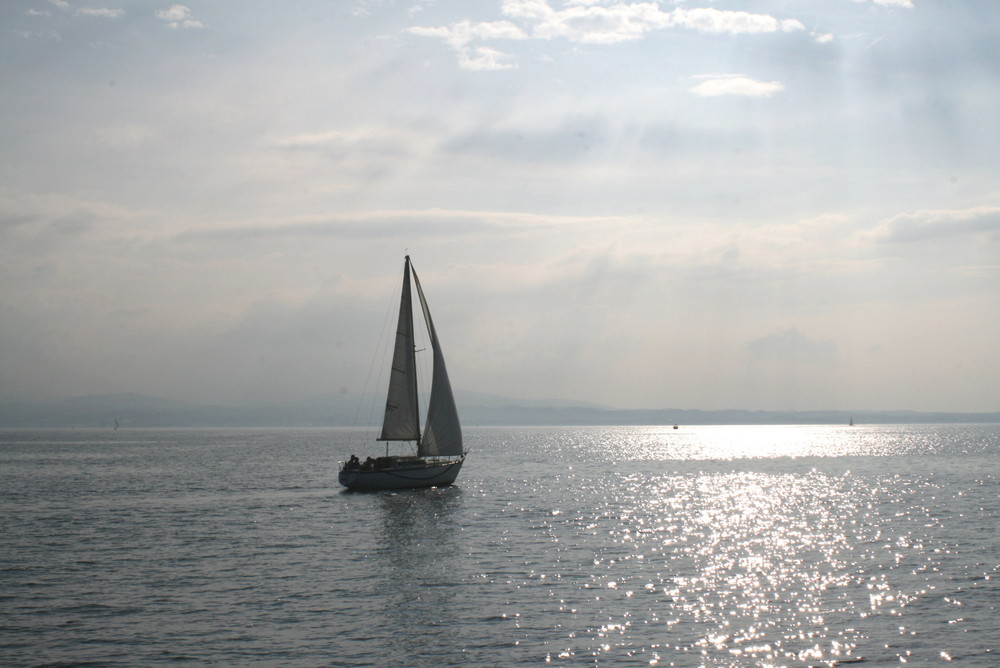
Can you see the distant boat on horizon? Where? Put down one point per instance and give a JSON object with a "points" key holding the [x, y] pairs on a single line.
{"points": [[851, 423], [439, 451]]}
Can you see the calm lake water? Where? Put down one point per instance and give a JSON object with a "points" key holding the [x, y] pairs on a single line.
{"points": [[714, 546]]}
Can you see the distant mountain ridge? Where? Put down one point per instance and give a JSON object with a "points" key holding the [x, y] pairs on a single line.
{"points": [[476, 409]]}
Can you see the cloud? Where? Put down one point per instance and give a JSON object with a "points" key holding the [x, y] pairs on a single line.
{"points": [[378, 138], [907, 4], [102, 12], [734, 22], [791, 345], [414, 224], [178, 16], [483, 58], [459, 36], [589, 22], [924, 225], [575, 137], [463, 32], [599, 24], [358, 154], [714, 85]]}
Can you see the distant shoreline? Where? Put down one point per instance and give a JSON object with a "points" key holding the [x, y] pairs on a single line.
{"points": [[136, 410]]}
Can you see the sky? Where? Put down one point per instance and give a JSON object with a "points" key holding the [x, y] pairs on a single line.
{"points": [[704, 204]]}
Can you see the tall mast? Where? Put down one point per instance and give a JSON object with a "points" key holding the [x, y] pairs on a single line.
{"points": [[401, 421], [413, 344]]}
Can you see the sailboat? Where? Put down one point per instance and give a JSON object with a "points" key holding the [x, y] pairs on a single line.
{"points": [[439, 451]]}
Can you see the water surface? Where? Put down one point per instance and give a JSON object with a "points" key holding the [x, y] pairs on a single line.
{"points": [[716, 546]]}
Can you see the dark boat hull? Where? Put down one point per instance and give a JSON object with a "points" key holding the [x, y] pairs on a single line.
{"points": [[404, 476]]}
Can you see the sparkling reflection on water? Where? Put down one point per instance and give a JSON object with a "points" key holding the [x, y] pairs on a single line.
{"points": [[717, 546], [726, 565]]}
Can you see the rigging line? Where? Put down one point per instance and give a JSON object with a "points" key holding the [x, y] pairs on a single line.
{"points": [[378, 354]]}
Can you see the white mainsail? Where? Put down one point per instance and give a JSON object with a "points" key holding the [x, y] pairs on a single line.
{"points": [[443, 432], [402, 422]]}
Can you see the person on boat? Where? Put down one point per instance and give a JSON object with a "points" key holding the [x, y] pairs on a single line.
{"points": [[354, 462]]}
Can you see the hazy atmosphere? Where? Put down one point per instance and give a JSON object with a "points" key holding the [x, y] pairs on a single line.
{"points": [[714, 204]]}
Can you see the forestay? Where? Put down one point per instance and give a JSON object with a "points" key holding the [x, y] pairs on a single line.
{"points": [[402, 422]]}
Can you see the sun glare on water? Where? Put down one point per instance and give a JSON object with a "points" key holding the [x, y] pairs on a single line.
{"points": [[726, 442], [737, 545]]}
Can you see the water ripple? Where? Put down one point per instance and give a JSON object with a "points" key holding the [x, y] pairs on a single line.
{"points": [[713, 546]]}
